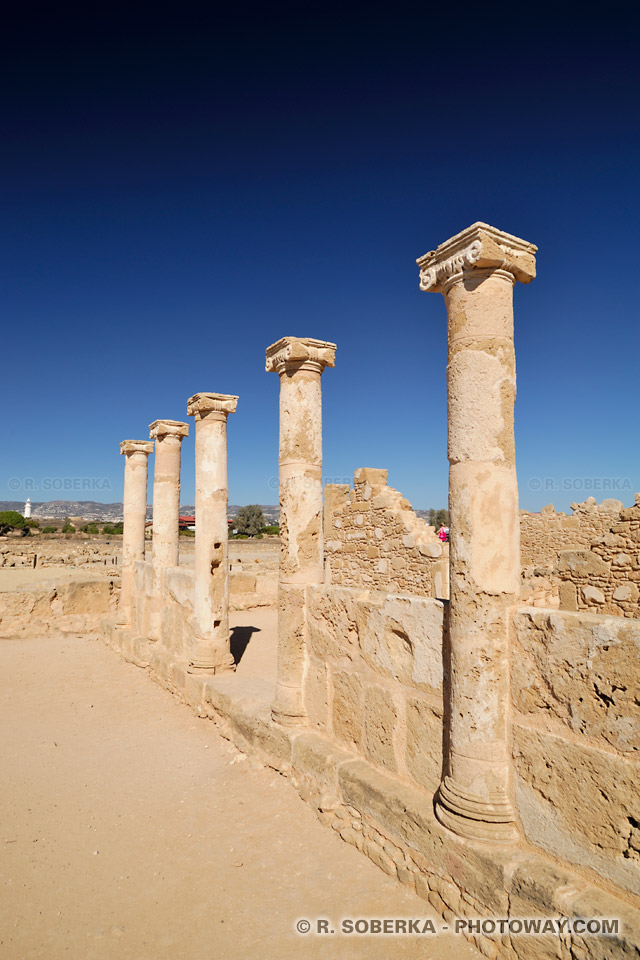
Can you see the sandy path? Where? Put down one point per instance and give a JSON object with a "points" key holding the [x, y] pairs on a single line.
{"points": [[130, 829]]}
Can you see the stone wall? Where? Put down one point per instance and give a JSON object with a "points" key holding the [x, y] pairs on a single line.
{"points": [[544, 534], [576, 739], [605, 578], [374, 678], [374, 539]]}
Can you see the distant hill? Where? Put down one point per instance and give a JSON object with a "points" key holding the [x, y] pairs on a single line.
{"points": [[92, 510]]}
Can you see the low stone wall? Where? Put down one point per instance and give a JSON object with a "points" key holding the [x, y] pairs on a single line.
{"points": [[374, 539], [44, 552], [576, 738], [78, 606], [605, 578], [374, 678]]}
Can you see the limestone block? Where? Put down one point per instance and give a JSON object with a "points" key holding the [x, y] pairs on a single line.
{"points": [[430, 549], [592, 595], [91, 596], [424, 743], [582, 670], [348, 709], [381, 720], [372, 475], [582, 563], [332, 630], [316, 693], [401, 638], [318, 757], [628, 592], [178, 585], [578, 803], [568, 596]]}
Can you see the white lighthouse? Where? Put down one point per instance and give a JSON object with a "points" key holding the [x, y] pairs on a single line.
{"points": [[27, 509]]}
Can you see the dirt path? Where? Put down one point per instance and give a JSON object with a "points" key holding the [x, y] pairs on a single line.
{"points": [[130, 829]]}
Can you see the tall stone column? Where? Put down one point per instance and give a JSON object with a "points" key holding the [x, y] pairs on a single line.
{"points": [[210, 651], [168, 435], [299, 362], [476, 271], [134, 513]]}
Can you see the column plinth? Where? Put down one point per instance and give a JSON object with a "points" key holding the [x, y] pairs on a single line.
{"points": [[299, 362], [168, 436], [210, 649], [476, 271], [134, 515]]}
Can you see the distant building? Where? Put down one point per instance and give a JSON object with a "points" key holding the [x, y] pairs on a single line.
{"points": [[27, 509]]}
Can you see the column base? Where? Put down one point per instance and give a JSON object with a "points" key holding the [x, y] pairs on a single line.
{"points": [[474, 818], [287, 709], [210, 661]]}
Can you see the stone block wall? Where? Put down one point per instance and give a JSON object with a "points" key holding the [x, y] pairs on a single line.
{"points": [[576, 739], [605, 578], [372, 538], [544, 534], [374, 678]]}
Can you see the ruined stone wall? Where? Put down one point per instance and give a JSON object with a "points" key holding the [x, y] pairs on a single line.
{"points": [[576, 738], [374, 678], [544, 534], [374, 539], [36, 552], [606, 577]]}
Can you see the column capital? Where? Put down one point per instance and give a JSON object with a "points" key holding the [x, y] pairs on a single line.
{"points": [[296, 352], [171, 428], [202, 405], [136, 446], [478, 248]]}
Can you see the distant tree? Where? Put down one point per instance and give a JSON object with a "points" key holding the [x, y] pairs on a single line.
{"points": [[249, 520], [436, 517], [68, 528], [30, 522], [12, 520], [112, 528], [48, 529], [90, 528], [272, 529]]}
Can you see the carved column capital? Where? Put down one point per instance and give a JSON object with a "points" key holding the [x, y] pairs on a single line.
{"points": [[215, 406], [478, 248], [136, 446], [168, 428], [291, 354]]}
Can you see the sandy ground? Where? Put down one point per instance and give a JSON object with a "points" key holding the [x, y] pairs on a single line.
{"points": [[131, 829]]}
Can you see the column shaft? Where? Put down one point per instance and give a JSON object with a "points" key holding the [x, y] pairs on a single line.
{"points": [[168, 435], [476, 271], [210, 651], [299, 363], [134, 512]]}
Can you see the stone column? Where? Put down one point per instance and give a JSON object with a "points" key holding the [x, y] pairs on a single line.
{"points": [[476, 271], [134, 513], [299, 363], [168, 435], [210, 651]]}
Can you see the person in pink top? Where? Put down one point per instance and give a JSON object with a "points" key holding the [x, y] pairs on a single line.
{"points": [[443, 533]]}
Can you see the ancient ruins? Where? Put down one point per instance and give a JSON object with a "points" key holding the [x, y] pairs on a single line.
{"points": [[467, 715]]}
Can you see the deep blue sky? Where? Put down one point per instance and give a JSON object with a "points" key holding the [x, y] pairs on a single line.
{"points": [[178, 193]]}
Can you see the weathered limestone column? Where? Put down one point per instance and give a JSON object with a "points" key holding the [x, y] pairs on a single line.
{"points": [[299, 362], [210, 651], [476, 271], [134, 512], [168, 435]]}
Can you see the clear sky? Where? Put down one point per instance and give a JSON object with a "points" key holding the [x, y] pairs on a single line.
{"points": [[179, 193]]}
